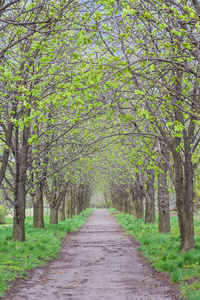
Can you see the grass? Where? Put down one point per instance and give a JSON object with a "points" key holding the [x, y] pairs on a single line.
{"points": [[41, 245], [164, 253]]}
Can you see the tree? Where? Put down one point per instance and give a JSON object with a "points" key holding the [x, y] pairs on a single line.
{"points": [[158, 55], [27, 78]]}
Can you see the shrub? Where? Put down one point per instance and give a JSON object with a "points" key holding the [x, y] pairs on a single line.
{"points": [[2, 214]]}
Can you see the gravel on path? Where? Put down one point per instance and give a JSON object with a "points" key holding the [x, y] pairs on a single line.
{"points": [[97, 262]]}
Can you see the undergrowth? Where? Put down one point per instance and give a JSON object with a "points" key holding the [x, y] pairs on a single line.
{"points": [[164, 253], [17, 258]]}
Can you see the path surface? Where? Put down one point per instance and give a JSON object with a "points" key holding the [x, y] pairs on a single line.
{"points": [[97, 262]]}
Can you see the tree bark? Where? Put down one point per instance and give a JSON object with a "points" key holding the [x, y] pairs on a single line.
{"points": [[69, 205], [55, 197], [150, 197], [54, 206], [107, 202], [184, 197], [132, 210], [53, 214], [20, 185], [163, 194], [38, 204], [6, 152], [38, 209], [61, 211], [19, 211], [125, 201], [73, 203], [139, 204]]}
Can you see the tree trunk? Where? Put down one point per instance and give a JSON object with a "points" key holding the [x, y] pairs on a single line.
{"points": [[55, 197], [38, 205], [78, 199], [81, 200], [139, 205], [18, 219], [118, 203], [18, 223], [150, 197], [54, 214], [6, 151], [54, 206], [85, 203], [125, 209], [69, 205], [163, 195], [121, 202], [163, 204], [184, 198], [19, 213], [73, 203], [82, 197], [131, 203], [106, 200], [61, 211], [38, 210], [20, 185]]}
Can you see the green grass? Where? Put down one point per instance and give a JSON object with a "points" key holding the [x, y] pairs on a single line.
{"points": [[164, 253], [7, 222], [17, 258]]}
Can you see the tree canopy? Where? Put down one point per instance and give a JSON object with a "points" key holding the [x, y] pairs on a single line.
{"points": [[102, 93]]}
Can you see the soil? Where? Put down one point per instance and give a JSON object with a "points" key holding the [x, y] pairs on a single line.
{"points": [[97, 262]]}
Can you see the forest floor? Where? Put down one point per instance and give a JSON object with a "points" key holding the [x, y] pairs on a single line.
{"points": [[99, 261]]}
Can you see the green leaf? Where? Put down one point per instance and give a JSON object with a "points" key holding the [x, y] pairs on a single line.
{"points": [[21, 125]]}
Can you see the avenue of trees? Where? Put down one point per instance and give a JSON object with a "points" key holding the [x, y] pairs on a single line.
{"points": [[100, 93]]}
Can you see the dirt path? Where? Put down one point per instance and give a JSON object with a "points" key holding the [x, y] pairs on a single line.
{"points": [[97, 262]]}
